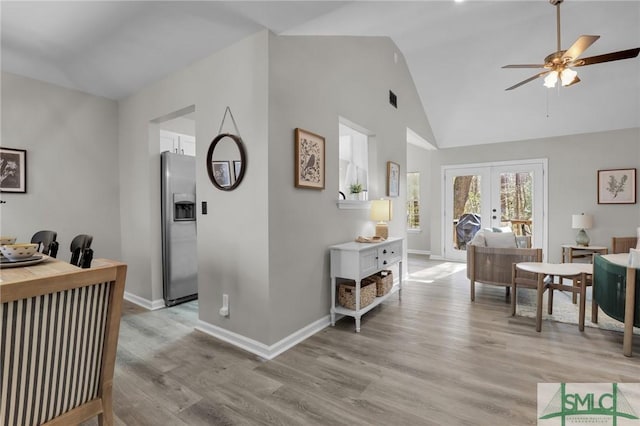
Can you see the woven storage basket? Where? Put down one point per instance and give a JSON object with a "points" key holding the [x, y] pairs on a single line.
{"points": [[384, 282], [347, 293]]}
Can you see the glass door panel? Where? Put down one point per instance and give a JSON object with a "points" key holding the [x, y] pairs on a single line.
{"points": [[508, 196], [465, 191]]}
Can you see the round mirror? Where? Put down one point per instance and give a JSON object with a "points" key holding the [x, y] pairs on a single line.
{"points": [[226, 161]]}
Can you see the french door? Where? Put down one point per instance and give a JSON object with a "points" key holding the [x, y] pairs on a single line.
{"points": [[507, 195]]}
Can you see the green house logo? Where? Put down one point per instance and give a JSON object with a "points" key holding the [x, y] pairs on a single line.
{"points": [[587, 403]]}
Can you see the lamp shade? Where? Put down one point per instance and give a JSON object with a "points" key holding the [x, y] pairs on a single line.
{"points": [[582, 221], [381, 210]]}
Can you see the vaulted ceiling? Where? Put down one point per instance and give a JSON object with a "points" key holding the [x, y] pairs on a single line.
{"points": [[455, 51]]}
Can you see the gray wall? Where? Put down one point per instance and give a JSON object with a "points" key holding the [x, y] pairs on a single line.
{"points": [[265, 244], [573, 164], [72, 164], [312, 81], [419, 160], [232, 237]]}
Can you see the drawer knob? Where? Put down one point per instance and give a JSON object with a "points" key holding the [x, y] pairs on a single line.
{"points": [[384, 251], [384, 263]]}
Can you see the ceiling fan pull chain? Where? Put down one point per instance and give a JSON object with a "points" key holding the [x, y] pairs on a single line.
{"points": [[558, 25]]}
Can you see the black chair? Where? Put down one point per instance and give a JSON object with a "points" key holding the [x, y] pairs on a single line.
{"points": [[81, 252], [46, 241]]}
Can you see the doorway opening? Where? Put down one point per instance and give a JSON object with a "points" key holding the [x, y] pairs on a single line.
{"points": [[173, 142]]}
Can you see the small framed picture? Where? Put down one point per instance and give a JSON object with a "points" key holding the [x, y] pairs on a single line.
{"points": [[222, 173], [237, 167], [13, 170], [309, 160], [617, 186], [393, 179]]}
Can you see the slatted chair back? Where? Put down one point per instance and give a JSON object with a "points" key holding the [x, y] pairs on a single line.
{"points": [[59, 338], [623, 244]]}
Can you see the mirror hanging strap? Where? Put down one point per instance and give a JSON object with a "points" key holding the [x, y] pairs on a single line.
{"points": [[228, 110]]}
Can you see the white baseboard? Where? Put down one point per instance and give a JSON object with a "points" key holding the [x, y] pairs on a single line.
{"points": [[145, 303], [422, 252], [436, 257], [258, 348]]}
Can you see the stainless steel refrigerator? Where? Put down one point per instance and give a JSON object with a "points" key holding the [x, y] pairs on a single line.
{"points": [[179, 253]]}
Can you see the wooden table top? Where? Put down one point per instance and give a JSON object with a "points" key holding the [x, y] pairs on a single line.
{"points": [[577, 247], [558, 269], [48, 267]]}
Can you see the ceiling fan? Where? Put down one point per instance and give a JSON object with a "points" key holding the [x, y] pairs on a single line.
{"points": [[558, 64]]}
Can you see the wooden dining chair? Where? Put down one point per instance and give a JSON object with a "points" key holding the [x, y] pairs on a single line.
{"points": [[46, 241], [81, 252], [623, 244]]}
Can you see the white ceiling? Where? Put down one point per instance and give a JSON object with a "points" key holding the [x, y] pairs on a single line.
{"points": [[454, 51]]}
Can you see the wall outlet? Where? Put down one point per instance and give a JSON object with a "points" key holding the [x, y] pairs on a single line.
{"points": [[224, 311]]}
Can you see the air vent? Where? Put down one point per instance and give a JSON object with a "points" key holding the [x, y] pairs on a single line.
{"points": [[393, 99]]}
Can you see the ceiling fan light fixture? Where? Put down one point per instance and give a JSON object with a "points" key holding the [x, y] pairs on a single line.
{"points": [[567, 76], [551, 79]]}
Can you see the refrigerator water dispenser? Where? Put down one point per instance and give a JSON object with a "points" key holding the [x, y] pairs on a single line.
{"points": [[184, 207]]}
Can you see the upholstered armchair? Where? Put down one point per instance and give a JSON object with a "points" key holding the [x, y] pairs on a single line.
{"points": [[616, 290], [489, 260]]}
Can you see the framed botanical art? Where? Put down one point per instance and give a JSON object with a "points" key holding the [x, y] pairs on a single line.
{"points": [[617, 186], [309, 160], [13, 170], [393, 179]]}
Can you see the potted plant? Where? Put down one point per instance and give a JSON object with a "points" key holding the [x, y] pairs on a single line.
{"points": [[355, 189]]}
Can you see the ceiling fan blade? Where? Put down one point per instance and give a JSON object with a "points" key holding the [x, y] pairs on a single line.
{"points": [[608, 57], [582, 43], [524, 66], [576, 80], [540, 74]]}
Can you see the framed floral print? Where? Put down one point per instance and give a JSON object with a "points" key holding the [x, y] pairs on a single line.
{"points": [[617, 186], [393, 179]]}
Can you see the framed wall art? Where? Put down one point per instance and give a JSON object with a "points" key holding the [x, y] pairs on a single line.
{"points": [[222, 172], [617, 186], [237, 168], [393, 179], [13, 170], [309, 160]]}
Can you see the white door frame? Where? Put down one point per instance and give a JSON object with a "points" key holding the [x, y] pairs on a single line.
{"points": [[543, 162]]}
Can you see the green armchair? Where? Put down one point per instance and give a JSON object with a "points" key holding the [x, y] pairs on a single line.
{"points": [[616, 290]]}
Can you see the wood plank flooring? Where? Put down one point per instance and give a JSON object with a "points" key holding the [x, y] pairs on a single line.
{"points": [[433, 358]]}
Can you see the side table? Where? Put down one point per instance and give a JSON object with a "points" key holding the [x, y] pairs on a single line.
{"points": [[574, 251]]}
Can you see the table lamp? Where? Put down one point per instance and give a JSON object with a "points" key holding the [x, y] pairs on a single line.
{"points": [[381, 213], [582, 222]]}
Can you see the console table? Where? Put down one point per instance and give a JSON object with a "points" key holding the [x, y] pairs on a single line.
{"points": [[355, 261], [573, 251]]}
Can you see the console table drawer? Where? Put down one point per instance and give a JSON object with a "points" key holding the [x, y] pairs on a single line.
{"points": [[389, 255]]}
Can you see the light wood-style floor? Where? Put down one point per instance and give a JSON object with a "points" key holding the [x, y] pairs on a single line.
{"points": [[433, 358]]}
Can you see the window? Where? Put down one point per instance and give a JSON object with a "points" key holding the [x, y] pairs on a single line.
{"points": [[354, 162], [413, 200]]}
